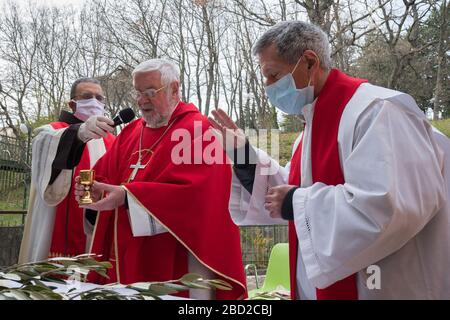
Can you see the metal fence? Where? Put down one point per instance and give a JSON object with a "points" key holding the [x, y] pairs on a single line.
{"points": [[257, 242], [14, 178], [14, 188]]}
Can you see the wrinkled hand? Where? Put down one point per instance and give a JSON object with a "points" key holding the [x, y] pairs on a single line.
{"points": [[114, 195], [232, 136], [274, 199], [95, 127]]}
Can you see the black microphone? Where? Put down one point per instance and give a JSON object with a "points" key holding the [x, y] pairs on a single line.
{"points": [[124, 116]]}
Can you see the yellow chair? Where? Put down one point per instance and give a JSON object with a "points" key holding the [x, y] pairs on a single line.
{"points": [[277, 275]]}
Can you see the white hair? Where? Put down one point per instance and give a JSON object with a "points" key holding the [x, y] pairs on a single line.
{"points": [[293, 38], [169, 71]]}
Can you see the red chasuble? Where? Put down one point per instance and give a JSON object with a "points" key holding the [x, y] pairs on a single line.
{"points": [[189, 200], [326, 166], [68, 237]]}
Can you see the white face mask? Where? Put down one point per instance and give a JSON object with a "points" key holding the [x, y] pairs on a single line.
{"points": [[89, 107]]}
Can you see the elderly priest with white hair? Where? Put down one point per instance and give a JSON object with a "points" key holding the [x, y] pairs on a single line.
{"points": [[160, 218]]}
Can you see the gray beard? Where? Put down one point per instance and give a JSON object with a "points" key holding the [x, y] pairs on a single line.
{"points": [[157, 122], [160, 120]]}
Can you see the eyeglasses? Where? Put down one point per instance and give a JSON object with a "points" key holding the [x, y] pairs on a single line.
{"points": [[149, 93], [90, 95]]}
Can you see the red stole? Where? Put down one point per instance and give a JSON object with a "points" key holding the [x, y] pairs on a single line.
{"points": [[326, 166], [74, 235], [190, 200]]}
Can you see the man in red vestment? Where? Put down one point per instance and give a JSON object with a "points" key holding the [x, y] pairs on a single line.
{"points": [[161, 217], [366, 193], [55, 225]]}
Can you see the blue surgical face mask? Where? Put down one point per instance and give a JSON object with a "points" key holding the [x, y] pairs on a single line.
{"points": [[284, 95]]}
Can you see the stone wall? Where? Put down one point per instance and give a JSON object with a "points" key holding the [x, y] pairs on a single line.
{"points": [[10, 238]]}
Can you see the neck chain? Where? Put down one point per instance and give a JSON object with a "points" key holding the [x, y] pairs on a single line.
{"points": [[138, 165]]}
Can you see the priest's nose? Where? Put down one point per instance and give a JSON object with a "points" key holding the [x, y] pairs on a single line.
{"points": [[142, 100]]}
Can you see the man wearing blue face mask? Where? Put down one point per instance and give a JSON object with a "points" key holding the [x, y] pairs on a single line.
{"points": [[55, 224], [366, 193]]}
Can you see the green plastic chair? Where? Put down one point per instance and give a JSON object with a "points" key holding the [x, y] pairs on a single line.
{"points": [[277, 275]]}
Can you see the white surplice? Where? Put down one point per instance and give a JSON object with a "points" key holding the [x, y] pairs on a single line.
{"points": [[44, 198], [392, 211]]}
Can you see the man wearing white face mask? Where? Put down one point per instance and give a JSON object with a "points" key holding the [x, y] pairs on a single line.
{"points": [[55, 224], [366, 193]]}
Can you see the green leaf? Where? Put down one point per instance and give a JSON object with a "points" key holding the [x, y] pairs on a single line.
{"points": [[17, 294], [196, 285], [54, 265], [220, 284], [54, 296], [269, 295], [35, 288], [40, 269], [90, 262], [41, 284], [79, 270], [22, 275], [85, 255], [148, 295], [37, 296], [12, 276], [49, 279], [191, 277], [161, 290], [115, 286], [102, 273], [177, 287], [62, 259], [71, 264], [5, 297], [139, 286], [194, 280], [106, 264], [7, 283], [29, 272]]}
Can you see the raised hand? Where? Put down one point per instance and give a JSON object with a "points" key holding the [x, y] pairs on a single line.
{"points": [[232, 136]]}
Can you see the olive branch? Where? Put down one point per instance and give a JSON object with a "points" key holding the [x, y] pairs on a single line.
{"points": [[38, 281]]}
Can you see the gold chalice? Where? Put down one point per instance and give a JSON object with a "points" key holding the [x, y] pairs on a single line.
{"points": [[87, 179]]}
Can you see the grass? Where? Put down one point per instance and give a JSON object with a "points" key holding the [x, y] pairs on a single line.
{"points": [[10, 220], [12, 200], [443, 126]]}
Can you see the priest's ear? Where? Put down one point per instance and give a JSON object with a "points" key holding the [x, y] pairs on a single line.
{"points": [[312, 59], [175, 89], [72, 105]]}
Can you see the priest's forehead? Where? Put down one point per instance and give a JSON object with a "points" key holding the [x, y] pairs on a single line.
{"points": [[147, 80], [88, 87], [271, 63]]}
